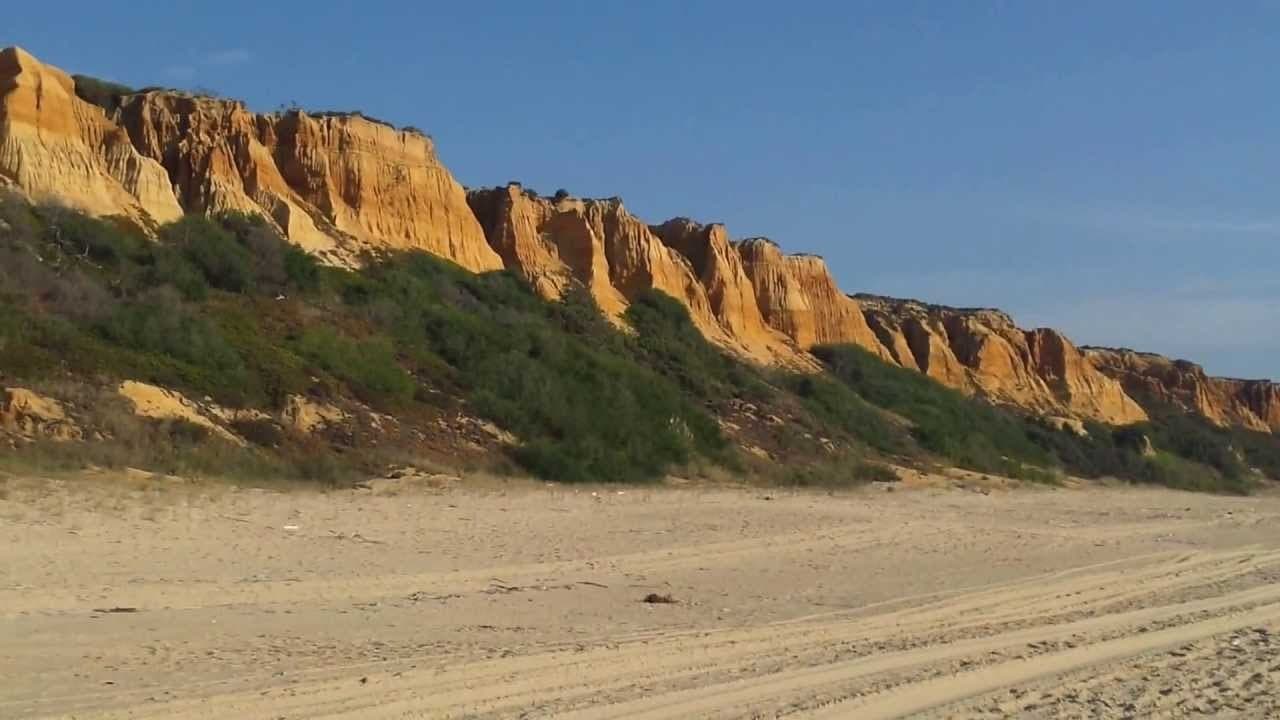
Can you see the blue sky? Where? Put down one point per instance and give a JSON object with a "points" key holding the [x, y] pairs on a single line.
{"points": [[1110, 169]]}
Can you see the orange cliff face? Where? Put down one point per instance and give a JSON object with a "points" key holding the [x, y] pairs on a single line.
{"points": [[721, 270], [343, 186], [983, 351], [598, 244], [798, 297], [1253, 404], [56, 147], [337, 186]]}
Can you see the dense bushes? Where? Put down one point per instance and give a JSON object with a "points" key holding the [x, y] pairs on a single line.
{"points": [[1197, 455], [223, 307], [556, 374], [97, 297], [1101, 452], [666, 339], [968, 432], [1189, 452], [1260, 450], [102, 93], [159, 323], [1196, 440], [368, 365], [840, 408], [221, 259]]}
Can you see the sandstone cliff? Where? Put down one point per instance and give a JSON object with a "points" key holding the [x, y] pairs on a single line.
{"points": [[1254, 404], [519, 227], [56, 147], [734, 302], [343, 186], [798, 297], [337, 185], [26, 416], [599, 245], [981, 350]]}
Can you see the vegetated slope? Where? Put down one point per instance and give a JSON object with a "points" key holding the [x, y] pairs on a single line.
{"points": [[1172, 448], [409, 348], [346, 187], [225, 311]]}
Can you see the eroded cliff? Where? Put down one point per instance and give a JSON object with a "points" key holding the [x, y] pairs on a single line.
{"points": [[56, 147], [599, 245], [337, 185], [1254, 404], [798, 296], [344, 186], [982, 350]]}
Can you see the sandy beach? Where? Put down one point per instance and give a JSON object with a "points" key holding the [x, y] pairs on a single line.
{"points": [[149, 598]]}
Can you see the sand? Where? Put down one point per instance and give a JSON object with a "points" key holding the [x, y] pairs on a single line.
{"points": [[147, 598]]}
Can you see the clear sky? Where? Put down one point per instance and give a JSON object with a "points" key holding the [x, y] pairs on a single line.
{"points": [[1107, 168]]}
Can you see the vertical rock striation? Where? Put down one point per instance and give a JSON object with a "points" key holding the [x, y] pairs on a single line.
{"points": [[337, 185], [1253, 404], [56, 147], [983, 351], [798, 297]]}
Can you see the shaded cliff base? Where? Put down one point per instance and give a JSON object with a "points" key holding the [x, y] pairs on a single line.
{"points": [[224, 348]]}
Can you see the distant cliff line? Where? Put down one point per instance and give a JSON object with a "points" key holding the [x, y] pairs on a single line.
{"points": [[343, 186]]}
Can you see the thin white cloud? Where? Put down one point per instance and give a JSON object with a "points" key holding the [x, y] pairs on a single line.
{"points": [[228, 56]]}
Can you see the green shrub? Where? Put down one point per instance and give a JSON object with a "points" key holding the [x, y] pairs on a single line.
{"points": [[967, 431], [838, 406], [667, 340], [100, 241], [103, 93], [277, 265], [368, 366], [874, 472], [1193, 438], [260, 432], [225, 263], [555, 374], [160, 323], [1260, 450], [275, 369], [1102, 452], [975, 435], [301, 269], [227, 308], [1170, 470]]}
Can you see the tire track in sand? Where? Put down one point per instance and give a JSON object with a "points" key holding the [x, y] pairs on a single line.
{"points": [[883, 662]]}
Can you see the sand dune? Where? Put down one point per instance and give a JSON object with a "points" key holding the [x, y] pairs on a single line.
{"points": [[147, 599]]}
